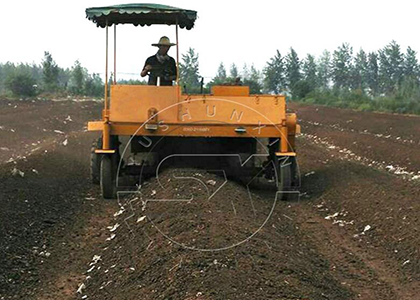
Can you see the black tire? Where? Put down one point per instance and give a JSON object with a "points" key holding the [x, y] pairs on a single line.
{"points": [[95, 161], [284, 179], [107, 178]]}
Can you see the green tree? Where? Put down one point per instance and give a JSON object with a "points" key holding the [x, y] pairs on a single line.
{"points": [[94, 85], [390, 67], [245, 74], [409, 89], [21, 84], [293, 74], [189, 71], [50, 72], [78, 77], [341, 66], [233, 71], [221, 72], [309, 69], [6, 69], [254, 81], [411, 64], [372, 74], [274, 74], [220, 77], [64, 76], [359, 71], [324, 70]]}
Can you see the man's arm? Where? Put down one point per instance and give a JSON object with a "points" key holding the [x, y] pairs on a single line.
{"points": [[147, 67], [145, 70]]}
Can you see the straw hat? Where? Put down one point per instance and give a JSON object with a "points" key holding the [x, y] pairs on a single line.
{"points": [[164, 41]]}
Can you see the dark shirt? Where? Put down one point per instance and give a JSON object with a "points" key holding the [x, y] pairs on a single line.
{"points": [[163, 70]]}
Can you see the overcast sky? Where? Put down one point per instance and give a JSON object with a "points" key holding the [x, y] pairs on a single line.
{"points": [[229, 31]]}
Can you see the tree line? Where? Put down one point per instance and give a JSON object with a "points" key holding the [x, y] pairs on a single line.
{"points": [[387, 79], [28, 80]]}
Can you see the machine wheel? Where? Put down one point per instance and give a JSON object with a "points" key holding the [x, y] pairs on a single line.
{"points": [[284, 178], [107, 178], [95, 161]]}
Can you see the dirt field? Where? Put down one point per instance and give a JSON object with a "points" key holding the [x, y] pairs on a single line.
{"points": [[352, 234]]}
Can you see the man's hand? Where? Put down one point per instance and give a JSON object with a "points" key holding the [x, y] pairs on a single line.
{"points": [[146, 70]]}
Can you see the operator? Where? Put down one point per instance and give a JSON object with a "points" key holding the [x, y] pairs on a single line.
{"points": [[160, 67]]}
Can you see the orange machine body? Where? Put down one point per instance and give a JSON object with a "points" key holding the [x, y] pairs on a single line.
{"points": [[229, 111]]}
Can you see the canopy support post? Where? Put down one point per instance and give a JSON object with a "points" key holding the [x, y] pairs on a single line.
{"points": [[106, 67], [177, 53], [115, 54], [106, 129]]}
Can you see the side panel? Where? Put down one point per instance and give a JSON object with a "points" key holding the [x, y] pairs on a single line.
{"points": [[251, 110], [131, 103]]}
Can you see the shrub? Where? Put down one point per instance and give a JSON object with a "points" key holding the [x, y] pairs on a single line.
{"points": [[365, 107], [21, 84]]}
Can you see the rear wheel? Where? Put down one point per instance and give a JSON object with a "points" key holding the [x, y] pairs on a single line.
{"points": [[284, 178], [107, 177]]}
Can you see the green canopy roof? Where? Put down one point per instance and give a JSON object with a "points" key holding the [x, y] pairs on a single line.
{"points": [[141, 14]]}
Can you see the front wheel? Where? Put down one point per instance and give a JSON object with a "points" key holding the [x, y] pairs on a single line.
{"points": [[95, 162], [107, 178]]}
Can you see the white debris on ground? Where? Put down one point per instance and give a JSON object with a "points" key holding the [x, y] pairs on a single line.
{"points": [[81, 288], [65, 142], [45, 253], [141, 219], [331, 216], [91, 269], [16, 172], [335, 219], [342, 223], [58, 131], [211, 182], [119, 212], [95, 260], [113, 228], [309, 173], [111, 237], [69, 119], [349, 155], [35, 171], [364, 132], [367, 228]]}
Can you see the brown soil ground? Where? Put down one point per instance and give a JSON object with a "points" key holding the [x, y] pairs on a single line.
{"points": [[352, 234]]}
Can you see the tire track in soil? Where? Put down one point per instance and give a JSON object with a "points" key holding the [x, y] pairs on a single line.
{"points": [[40, 208], [50, 222], [366, 268]]}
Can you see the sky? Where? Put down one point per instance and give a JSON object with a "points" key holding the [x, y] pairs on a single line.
{"points": [[226, 31]]}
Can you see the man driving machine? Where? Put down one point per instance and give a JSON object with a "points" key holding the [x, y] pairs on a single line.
{"points": [[160, 67]]}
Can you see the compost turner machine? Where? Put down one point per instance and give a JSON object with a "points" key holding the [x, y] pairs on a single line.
{"points": [[249, 137]]}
